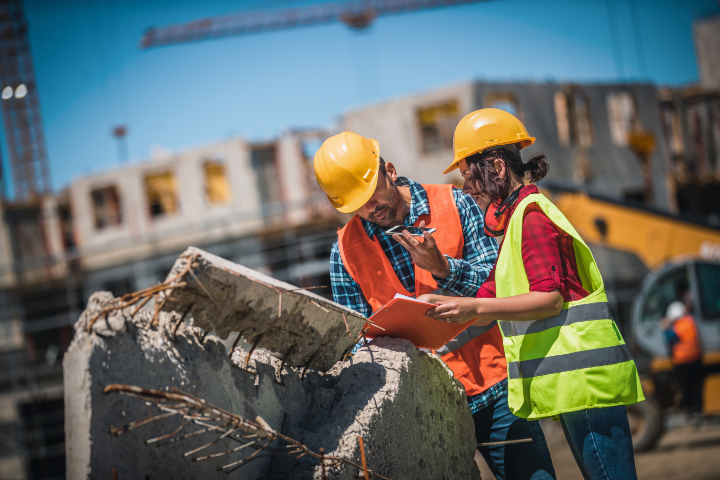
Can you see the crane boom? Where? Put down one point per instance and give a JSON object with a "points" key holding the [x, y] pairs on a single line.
{"points": [[356, 15]]}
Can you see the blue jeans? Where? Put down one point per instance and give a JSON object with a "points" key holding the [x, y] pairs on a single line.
{"points": [[601, 442], [522, 461]]}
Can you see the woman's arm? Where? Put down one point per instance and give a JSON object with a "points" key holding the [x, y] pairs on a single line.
{"points": [[526, 307]]}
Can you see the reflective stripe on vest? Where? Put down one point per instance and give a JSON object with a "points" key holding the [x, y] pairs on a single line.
{"points": [[577, 314], [597, 357], [574, 360], [465, 337]]}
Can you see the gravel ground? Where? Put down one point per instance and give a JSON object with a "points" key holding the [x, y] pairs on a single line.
{"points": [[682, 453]]}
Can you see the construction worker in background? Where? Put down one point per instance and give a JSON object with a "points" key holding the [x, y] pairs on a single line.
{"points": [[566, 357], [368, 267], [682, 336]]}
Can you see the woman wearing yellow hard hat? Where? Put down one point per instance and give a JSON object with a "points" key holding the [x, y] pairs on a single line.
{"points": [[566, 357]]}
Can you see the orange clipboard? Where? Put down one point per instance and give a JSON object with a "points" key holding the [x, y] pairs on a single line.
{"points": [[404, 317]]}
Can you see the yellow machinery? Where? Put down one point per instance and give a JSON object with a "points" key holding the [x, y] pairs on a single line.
{"points": [[655, 238]]}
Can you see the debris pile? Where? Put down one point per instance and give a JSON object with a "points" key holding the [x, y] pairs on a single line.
{"points": [[411, 414]]}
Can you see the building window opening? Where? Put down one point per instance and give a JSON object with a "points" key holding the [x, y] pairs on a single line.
{"points": [[217, 187], [437, 126], [504, 101], [263, 163], [622, 113], [106, 207], [66, 227], [573, 119], [161, 191]]}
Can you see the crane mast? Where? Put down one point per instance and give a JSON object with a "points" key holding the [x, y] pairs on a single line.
{"points": [[20, 104]]}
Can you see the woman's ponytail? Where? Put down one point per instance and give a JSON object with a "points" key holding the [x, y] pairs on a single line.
{"points": [[537, 167]]}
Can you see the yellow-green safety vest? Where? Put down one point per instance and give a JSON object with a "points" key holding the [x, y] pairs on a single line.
{"points": [[575, 360]]}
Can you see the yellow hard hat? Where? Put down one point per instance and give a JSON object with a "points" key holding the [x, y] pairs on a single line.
{"points": [[486, 128], [346, 168]]}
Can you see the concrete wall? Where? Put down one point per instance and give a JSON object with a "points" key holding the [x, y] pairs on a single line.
{"points": [[706, 33]]}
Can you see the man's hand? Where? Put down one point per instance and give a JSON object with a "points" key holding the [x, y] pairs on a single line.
{"points": [[425, 255]]}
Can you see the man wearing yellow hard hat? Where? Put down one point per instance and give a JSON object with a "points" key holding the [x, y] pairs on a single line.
{"points": [[368, 267]]}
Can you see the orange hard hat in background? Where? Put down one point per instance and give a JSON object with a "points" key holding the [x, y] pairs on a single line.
{"points": [[486, 128], [346, 168]]}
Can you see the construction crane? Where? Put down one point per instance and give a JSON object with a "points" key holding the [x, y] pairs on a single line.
{"points": [[21, 106], [356, 15]]}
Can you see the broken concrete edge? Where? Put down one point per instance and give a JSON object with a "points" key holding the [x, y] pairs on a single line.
{"points": [[259, 277], [301, 327]]}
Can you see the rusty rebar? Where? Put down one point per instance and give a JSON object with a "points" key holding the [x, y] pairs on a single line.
{"points": [[362, 458], [190, 407]]}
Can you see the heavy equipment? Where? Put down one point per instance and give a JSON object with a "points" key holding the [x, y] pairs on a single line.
{"points": [[649, 259]]}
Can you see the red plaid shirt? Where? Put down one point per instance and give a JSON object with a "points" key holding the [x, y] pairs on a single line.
{"points": [[548, 255]]}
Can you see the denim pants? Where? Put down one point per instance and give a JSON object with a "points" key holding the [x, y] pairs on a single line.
{"points": [[522, 461], [601, 442]]}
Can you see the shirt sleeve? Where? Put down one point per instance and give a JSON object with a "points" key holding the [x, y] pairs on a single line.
{"points": [[541, 252], [346, 291], [467, 274], [488, 289]]}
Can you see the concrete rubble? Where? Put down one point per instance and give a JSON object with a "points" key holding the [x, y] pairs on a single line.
{"points": [[411, 412]]}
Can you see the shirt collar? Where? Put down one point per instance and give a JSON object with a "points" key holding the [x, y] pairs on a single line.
{"points": [[419, 205], [524, 192]]}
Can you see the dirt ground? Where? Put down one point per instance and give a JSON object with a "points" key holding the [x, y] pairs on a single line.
{"points": [[682, 453]]}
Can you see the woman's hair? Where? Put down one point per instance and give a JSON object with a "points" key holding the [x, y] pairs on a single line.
{"points": [[486, 180]]}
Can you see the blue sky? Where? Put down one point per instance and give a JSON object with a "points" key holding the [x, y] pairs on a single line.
{"points": [[91, 75]]}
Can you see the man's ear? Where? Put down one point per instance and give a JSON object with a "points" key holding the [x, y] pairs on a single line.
{"points": [[392, 173]]}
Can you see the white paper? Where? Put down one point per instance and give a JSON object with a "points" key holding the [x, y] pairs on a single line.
{"points": [[400, 295]]}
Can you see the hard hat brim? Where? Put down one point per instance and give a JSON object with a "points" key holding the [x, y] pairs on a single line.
{"points": [[525, 142]]}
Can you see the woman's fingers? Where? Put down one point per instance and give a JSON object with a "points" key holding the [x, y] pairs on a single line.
{"points": [[442, 311]]}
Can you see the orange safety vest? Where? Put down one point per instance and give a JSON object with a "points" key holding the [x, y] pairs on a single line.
{"points": [[476, 356], [687, 349]]}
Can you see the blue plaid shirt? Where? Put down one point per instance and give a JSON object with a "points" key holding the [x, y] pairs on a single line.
{"points": [[467, 274], [483, 399]]}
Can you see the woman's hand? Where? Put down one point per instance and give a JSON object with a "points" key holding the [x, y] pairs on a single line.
{"points": [[432, 298], [456, 310]]}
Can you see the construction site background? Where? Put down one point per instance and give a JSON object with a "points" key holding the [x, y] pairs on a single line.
{"points": [[258, 204]]}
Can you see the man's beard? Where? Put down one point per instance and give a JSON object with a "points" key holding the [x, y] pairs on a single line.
{"points": [[390, 210]]}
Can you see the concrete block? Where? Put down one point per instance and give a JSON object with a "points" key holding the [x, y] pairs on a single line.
{"points": [[412, 414], [300, 326]]}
